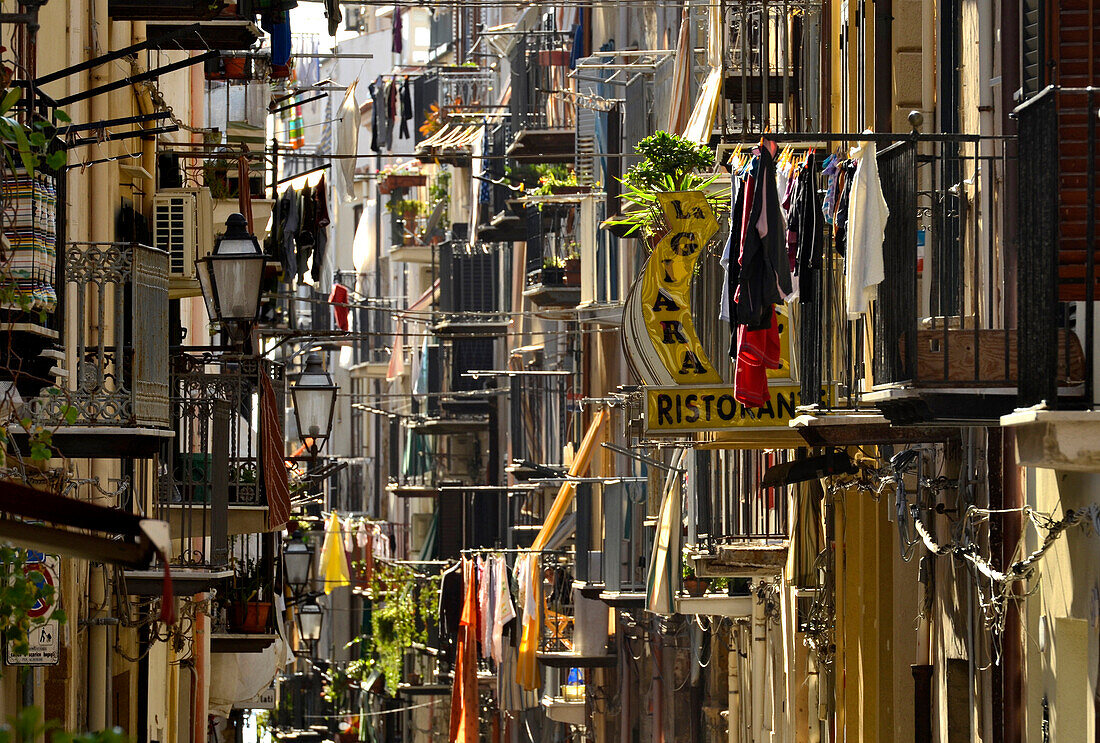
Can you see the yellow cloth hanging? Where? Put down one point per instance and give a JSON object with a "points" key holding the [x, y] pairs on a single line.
{"points": [[334, 561], [529, 573]]}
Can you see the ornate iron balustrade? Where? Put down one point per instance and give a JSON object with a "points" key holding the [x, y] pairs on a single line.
{"points": [[211, 481], [121, 374]]}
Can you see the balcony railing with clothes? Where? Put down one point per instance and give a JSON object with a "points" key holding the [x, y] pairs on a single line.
{"points": [[558, 620], [1057, 275], [211, 479], [121, 345]]}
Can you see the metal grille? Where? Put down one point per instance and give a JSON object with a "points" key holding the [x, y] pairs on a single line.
{"points": [[122, 352], [772, 66]]}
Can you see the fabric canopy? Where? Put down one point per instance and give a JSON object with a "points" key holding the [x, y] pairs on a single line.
{"points": [[565, 493], [528, 572], [664, 566]]}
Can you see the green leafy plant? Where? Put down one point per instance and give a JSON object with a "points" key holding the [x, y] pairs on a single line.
{"points": [[440, 190], [554, 177], [553, 261], [27, 726], [248, 583], [30, 144], [406, 208], [669, 163]]}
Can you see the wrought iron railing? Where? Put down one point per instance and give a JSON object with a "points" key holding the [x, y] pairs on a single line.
{"points": [[120, 377], [1057, 276], [214, 462], [731, 504], [540, 67], [770, 80]]}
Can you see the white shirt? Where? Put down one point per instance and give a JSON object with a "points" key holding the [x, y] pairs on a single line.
{"points": [[867, 215]]}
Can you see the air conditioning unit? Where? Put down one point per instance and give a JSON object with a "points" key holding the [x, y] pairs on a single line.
{"points": [[183, 227]]}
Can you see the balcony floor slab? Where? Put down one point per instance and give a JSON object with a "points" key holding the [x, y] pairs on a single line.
{"points": [[1056, 439]]}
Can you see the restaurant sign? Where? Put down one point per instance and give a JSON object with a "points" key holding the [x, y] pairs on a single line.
{"points": [[685, 392]]}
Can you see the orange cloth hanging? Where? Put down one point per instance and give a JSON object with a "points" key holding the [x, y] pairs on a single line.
{"points": [[464, 700]]}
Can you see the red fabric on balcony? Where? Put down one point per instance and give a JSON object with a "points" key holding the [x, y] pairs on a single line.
{"points": [[272, 456]]}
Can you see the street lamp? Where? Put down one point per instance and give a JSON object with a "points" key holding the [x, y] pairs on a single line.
{"points": [[298, 565], [309, 617], [230, 278], [314, 395]]}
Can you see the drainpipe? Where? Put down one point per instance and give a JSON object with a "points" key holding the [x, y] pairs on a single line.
{"points": [[759, 656], [987, 44], [98, 634]]}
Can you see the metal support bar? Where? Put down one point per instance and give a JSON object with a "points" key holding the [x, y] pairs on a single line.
{"points": [[142, 118], [642, 458], [119, 54], [304, 172], [76, 544], [149, 75], [297, 103], [124, 135], [219, 484]]}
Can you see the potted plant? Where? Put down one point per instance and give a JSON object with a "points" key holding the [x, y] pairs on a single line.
{"points": [[694, 585], [670, 163], [247, 612], [408, 210], [572, 267], [558, 180], [215, 176], [391, 178], [553, 270]]}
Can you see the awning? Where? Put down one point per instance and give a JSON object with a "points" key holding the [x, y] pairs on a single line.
{"points": [[663, 580], [78, 528], [565, 493], [451, 140]]}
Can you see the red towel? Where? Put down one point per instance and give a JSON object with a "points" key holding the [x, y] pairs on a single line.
{"points": [[338, 299], [757, 351]]}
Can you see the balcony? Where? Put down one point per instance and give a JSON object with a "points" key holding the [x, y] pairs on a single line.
{"points": [[944, 350], [117, 401], [763, 85], [1055, 306], [741, 527], [211, 483], [629, 517], [470, 296], [553, 254], [543, 117], [574, 627]]}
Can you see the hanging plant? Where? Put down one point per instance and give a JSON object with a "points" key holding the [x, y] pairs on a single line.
{"points": [[669, 163]]}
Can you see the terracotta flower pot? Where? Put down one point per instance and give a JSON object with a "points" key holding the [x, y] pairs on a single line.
{"points": [[696, 586], [250, 617]]}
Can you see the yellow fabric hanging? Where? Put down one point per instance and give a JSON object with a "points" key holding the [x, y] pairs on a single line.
{"points": [[334, 561], [565, 493], [529, 573]]}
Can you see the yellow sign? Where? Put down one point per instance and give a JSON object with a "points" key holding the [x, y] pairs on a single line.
{"points": [[685, 409], [666, 287]]}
